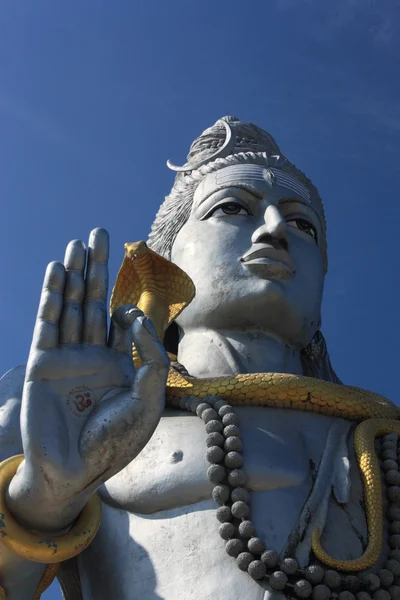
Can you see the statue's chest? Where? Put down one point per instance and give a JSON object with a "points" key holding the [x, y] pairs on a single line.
{"points": [[171, 471]]}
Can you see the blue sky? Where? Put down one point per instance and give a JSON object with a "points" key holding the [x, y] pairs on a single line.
{"points": [[95, 96]]}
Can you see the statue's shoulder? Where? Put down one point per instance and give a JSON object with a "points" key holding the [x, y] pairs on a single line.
{"points": [[11, 386]]}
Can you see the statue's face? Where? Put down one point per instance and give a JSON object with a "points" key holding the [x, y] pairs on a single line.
{"points": [[252, 248]]}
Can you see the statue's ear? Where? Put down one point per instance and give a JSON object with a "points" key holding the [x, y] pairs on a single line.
{"points": [[171, 339]]}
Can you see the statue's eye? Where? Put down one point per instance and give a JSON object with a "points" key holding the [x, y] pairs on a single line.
{"points": [[231, 208], [305, 226]]}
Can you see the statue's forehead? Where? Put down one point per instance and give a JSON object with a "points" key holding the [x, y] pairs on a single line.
{"points": [[271, 179]]}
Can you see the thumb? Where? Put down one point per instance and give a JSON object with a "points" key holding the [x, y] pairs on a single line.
{"points": [[148, 344]]}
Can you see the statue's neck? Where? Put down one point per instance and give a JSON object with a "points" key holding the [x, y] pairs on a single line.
{"points": [[210, 353]]}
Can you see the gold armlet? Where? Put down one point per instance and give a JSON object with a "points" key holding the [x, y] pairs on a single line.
{"points": [[42, 547]]}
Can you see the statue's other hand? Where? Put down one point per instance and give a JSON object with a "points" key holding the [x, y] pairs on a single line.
{"points": [[86, 413]]}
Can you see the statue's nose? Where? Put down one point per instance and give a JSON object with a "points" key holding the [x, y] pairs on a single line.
{"points": [[274, 227]]}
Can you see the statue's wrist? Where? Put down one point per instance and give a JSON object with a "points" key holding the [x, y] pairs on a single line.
{"points": [[36, 542], [33, 506]]}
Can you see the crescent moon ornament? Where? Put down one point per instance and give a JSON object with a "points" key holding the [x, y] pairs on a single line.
{"points": [[227, 146]]}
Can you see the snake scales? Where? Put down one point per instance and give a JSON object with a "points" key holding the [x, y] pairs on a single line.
{"points": [[162, 290]]}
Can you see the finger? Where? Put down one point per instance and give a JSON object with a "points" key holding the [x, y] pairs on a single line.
{"points": [[95, 305], [46, 332], [71, 317], [148, 344], [121, 328]]}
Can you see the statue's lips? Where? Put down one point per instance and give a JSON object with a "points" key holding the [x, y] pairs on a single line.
{"points": [[260, 254]]}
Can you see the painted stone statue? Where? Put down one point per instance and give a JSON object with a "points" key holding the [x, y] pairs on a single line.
{"points": [[226, 461]]}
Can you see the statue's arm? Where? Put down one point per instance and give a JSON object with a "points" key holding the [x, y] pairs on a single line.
{"points": [[80, 408], [18, 576]]}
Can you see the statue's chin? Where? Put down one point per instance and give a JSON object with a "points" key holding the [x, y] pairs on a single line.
{"points": [[267, 268]]}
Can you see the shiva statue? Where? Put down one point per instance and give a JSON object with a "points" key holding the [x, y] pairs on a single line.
{"points": [[201, 446]]}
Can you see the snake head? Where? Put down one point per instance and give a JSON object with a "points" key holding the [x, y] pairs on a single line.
{"points": [[134, 250]]}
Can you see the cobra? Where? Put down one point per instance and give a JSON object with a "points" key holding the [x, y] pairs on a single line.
{"points": [[162, 290]]}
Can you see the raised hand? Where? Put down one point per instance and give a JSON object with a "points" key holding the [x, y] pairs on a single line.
{"points": [[86, 413]]}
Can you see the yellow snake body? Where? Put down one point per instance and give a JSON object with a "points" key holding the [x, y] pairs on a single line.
{"points": [[364, 437], [283, 390], [162, 290]]}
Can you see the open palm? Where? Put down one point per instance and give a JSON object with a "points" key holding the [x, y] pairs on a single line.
{"points": [[86, 412]]}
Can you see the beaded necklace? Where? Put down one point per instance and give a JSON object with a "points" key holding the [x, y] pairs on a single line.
{"points": [[226, 473]]}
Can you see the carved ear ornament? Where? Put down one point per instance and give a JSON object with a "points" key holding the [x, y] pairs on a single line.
{"points": [[316, 347]]}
